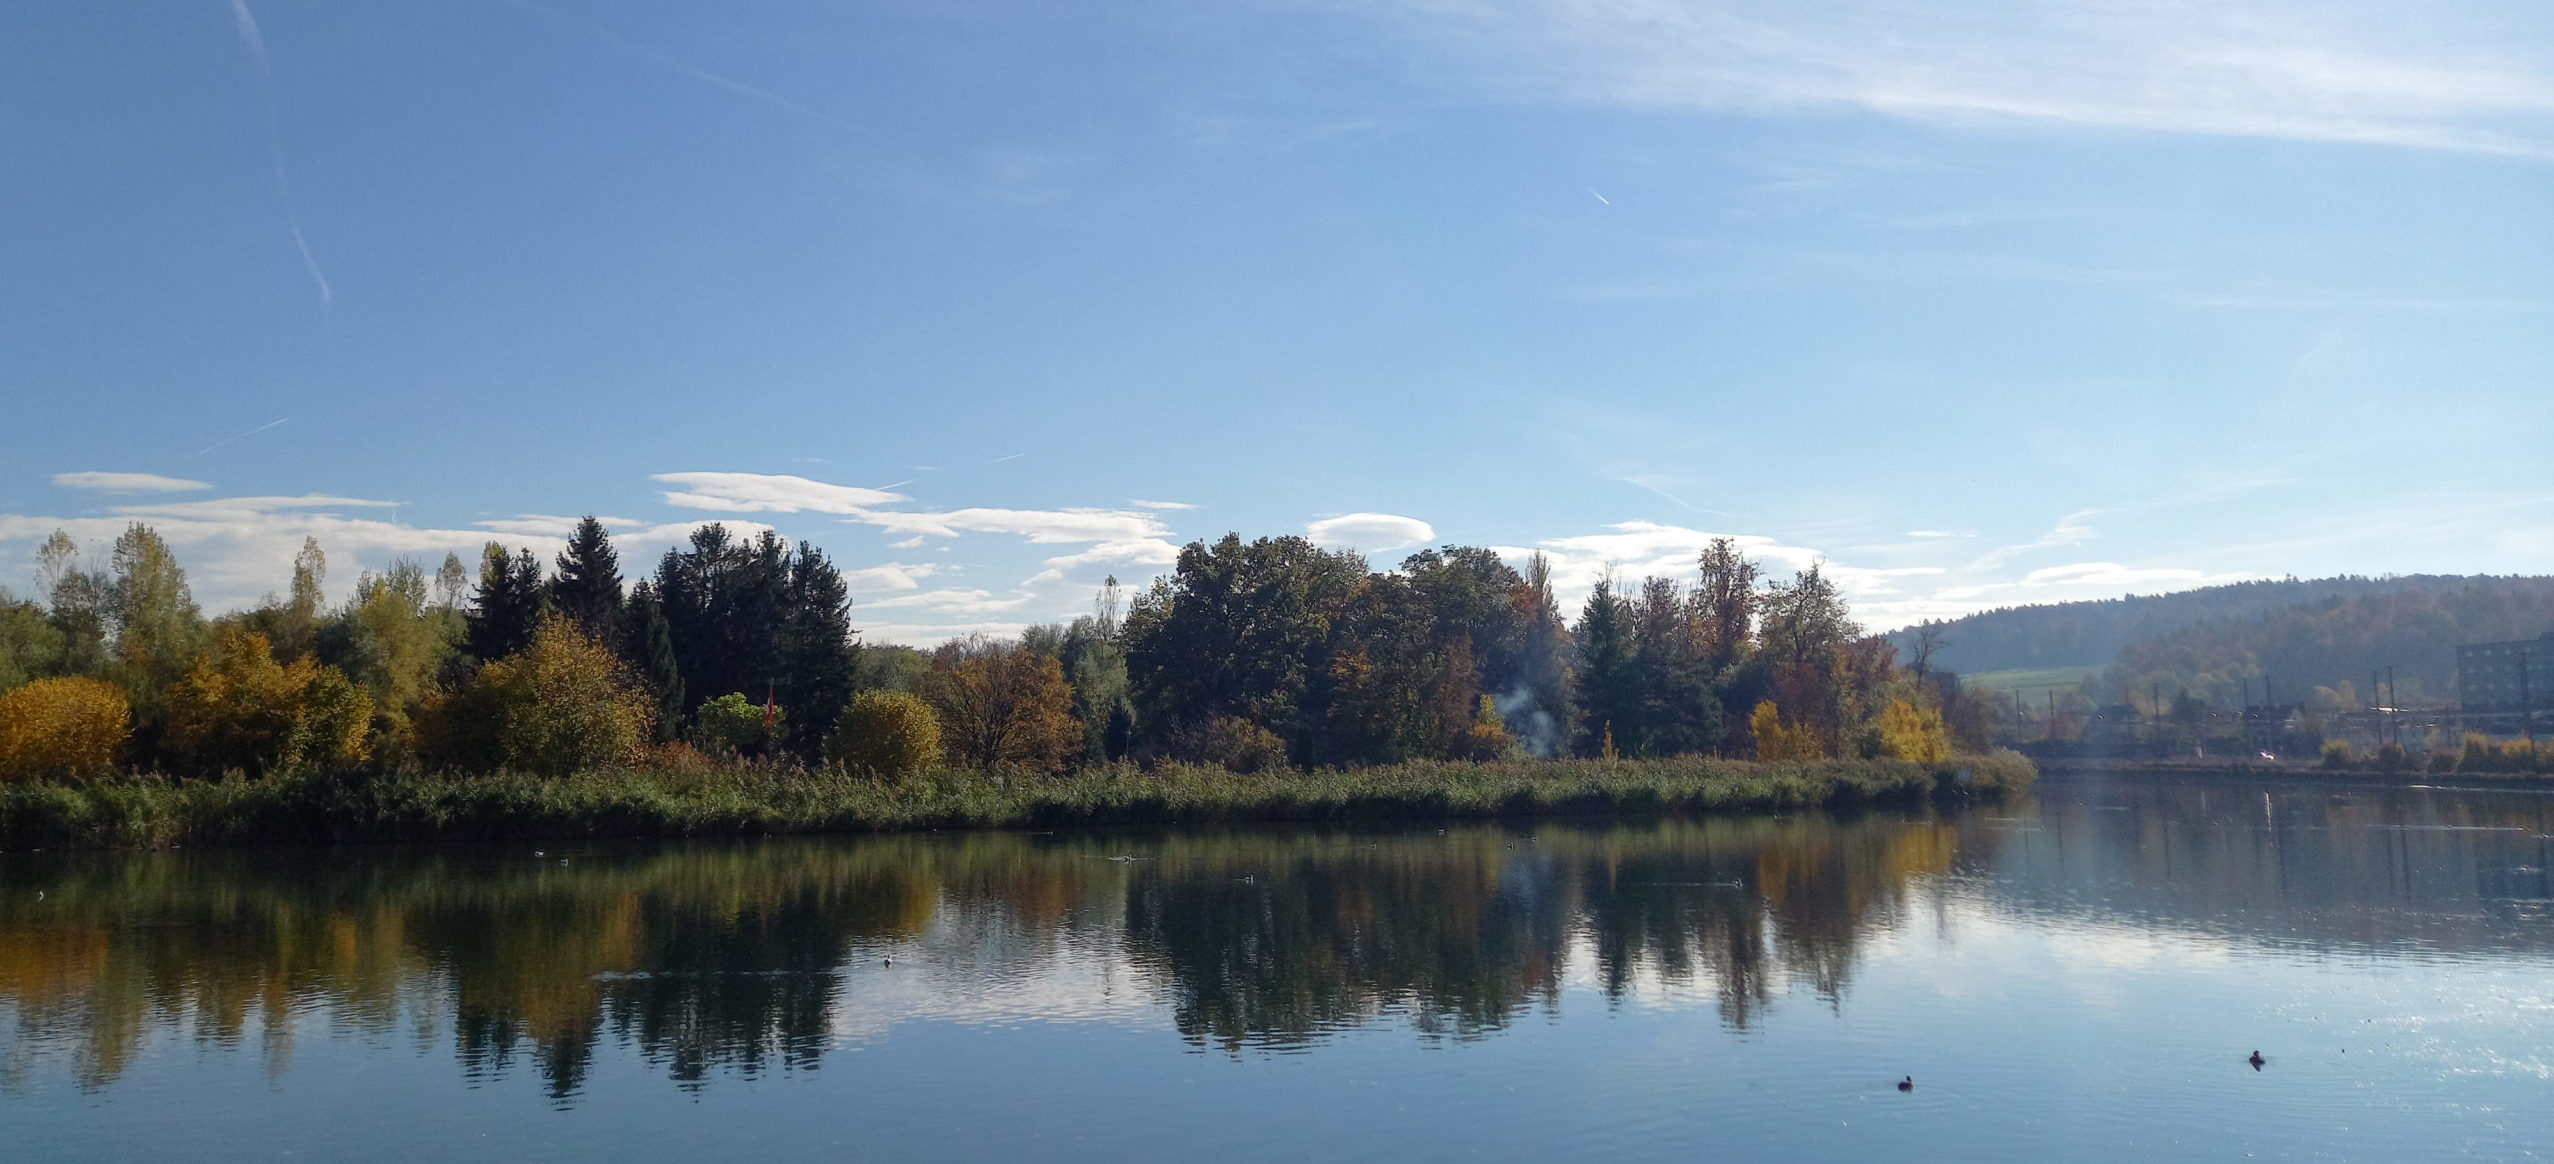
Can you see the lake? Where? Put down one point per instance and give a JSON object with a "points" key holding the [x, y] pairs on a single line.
{"points": [[2078, 975]]}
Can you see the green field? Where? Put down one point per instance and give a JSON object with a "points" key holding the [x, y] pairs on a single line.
{"points": [[2032, 678]]}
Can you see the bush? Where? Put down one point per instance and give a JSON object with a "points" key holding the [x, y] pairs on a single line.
{"points": [[1916, 735], [237, 708], [888, 734], [2336, 754], [732, 725], [1776, 742], [62, 727], [2392, 758], [2478, 754], [561, 704]]}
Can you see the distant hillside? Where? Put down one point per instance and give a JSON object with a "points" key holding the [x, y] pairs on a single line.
{"points": [[2303, 634]]}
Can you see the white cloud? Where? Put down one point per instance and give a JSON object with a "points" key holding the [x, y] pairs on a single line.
{"points": [[1370, 531], [1044, 526], [891, 576], [126, 482], [1142, 504], [2111, 576], [952, 601], [236, 550], [2453, 77], [1138, 552], [768, 493]]}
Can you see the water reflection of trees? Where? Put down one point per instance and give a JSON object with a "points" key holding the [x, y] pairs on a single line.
{"points": [[730, 958]]}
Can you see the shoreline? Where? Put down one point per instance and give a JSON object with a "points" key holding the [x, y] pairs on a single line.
{"points": [[407, 807]]}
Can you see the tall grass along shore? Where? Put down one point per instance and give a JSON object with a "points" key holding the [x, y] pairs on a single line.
{"points": [[146, 811]]}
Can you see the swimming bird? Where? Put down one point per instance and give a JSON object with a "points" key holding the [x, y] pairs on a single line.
{"points": [[1907, 1084], [2256, 1060]]}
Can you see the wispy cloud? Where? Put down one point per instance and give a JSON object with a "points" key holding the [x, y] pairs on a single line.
{"points": [[769, 493], [1142, 504], [2070, 530], [126, 483], [2422, 76]]}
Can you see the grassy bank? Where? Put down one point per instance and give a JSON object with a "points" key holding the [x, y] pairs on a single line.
{"points": [[143, 811]]}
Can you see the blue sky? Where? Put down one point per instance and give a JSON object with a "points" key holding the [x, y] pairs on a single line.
{"points": [[1980, 301]]}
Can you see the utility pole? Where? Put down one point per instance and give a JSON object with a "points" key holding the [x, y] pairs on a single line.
{"points": [[2394, 706], [2527, 707]]}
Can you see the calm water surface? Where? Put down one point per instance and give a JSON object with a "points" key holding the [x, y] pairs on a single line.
{"points": [[2078, 977]]}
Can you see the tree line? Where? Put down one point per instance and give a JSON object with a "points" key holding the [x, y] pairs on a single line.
{"points": [[1247, 654]]}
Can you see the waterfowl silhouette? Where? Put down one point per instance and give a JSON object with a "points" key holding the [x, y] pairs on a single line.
{"points": [[2256, 1060], [1907, 1084]]}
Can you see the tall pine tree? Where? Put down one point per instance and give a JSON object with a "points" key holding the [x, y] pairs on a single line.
{"points": [[647, 643], [819, 661], [510, 602], [1610, 695], [588, 587]]}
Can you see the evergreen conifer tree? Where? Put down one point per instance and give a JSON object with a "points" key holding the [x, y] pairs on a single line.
{"points": [[509, 604], [648, 646], [588, 587], [819, 661], [1610, 694]]}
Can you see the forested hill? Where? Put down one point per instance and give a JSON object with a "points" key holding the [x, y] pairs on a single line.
{"points": [[2355, 623]]}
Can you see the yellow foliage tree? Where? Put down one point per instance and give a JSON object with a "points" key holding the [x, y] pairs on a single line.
{"points": [[560, 704], [238, 708], [1487, 738], [1776, 742], [1916, 735], [885, 733], [62, 727]]}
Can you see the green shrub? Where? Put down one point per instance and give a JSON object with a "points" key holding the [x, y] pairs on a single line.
{"points": [[2336, 754], [732, 725], [889, 734]]}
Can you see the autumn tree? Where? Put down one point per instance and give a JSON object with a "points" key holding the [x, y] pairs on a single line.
{"points": [[73, 726], [1914, 734], [561, 704], [239, 709], [1001, 707], [887, 734]]}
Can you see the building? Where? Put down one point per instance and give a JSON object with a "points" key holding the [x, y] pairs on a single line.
{"points": [[2501, 686]]}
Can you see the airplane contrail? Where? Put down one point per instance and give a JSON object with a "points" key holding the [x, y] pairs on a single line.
{"points": [[226, 440], [1599, 197], [256, 42], [697, 73]]}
